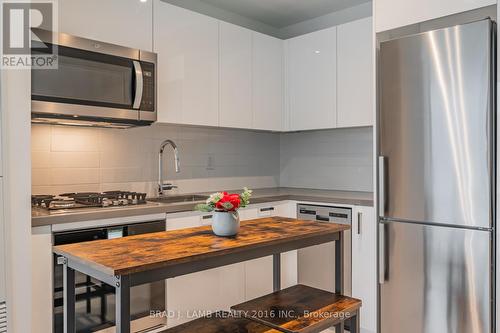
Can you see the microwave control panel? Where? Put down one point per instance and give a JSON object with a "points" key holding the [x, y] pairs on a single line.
{"points": [[149, 94]]}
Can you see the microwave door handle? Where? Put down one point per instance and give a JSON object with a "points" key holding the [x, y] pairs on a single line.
{"points": [[139, 85]]}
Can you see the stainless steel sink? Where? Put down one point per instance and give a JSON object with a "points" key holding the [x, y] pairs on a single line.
{"points": [[180, 198]]}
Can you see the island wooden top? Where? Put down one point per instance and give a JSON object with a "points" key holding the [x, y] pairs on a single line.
{"points": [[146, 252]]}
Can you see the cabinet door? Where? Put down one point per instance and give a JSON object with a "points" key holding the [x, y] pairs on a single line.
{"points": [[42, 281], [312, 69], [355, 74], [187, 44], [190, 295], [122, 22], [259, 272], [364, 268], [235, 76], [267, 82]]}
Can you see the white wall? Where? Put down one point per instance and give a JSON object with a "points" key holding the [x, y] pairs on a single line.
{"points": [[391, 14], [16, 108]]}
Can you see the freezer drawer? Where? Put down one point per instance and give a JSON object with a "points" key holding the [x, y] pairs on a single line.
{"points": [[435, 279]]}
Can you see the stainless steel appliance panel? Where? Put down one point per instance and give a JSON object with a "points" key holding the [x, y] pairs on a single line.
{"points": [[437, 279], [436, 126], [95, 84], [316, 264], [95, 301]]}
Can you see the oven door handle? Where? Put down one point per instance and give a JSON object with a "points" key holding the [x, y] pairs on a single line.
{"points": [[139, 85]]}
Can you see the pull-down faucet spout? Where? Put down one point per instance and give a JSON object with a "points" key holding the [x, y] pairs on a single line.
{"points": [[161, 186]]}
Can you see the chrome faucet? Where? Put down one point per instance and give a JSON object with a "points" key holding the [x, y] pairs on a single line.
{"points": [[167, 187]]}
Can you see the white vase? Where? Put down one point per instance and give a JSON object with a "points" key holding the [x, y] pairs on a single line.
{"points": [[226, 224]]}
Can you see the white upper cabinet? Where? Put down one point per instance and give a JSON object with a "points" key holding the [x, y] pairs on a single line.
{"points": [[235, 76], [391, 14], [187, 44], [267, 82], [122, 22], [355, 71], [312, 80]]}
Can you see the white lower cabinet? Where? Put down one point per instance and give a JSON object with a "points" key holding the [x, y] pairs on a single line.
{"points": [[193, 295], [42, 273], [364, 265], [259, 272]]}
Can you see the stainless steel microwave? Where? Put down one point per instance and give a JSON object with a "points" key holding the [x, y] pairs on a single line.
{"points": [[95, 84]]}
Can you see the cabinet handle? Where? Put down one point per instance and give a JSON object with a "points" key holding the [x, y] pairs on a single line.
{"points": [[268, 209], [207, 217], [360, 217]]}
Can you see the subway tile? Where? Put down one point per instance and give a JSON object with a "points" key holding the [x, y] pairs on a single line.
{"points": [[74, 176], [121, 175], [72, 188], [40, 159], [40, 177], [60, 189], [73, 139], [74, 159], [40, 137]]}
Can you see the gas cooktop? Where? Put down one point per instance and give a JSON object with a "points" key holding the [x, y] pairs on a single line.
{"points": [[88, 200]]}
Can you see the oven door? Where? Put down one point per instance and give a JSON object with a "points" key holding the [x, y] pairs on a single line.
{"points": [[90, 85], [95, 301]]}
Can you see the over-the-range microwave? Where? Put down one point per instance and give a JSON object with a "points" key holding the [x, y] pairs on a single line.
{"points": [[95, 84]]}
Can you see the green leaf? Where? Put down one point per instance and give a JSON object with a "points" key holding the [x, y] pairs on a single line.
{"points": [[204, 208]]}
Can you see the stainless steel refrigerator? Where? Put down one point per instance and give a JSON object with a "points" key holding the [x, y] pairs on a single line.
{"points": [[436, 169]]}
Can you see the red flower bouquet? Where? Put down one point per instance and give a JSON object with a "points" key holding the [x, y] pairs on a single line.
{"points": [[226, 202]]}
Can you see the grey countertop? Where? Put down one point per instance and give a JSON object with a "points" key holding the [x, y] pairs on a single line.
{"points": [[42, 217]]}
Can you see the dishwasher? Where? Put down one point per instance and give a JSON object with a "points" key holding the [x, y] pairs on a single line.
{"points": [[316, 264]]}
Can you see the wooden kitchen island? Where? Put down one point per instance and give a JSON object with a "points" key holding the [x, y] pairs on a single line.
{"points": [[135, 260]]}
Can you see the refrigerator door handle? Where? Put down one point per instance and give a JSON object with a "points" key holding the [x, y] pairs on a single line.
{"points": [[381, 254], [381, 185]]}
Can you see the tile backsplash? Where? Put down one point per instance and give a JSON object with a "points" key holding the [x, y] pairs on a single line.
{"points": [[340, 159], [67, 159], [72, 159]]}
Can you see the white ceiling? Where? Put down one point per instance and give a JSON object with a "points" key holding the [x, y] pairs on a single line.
{"points": [[283, 13]]}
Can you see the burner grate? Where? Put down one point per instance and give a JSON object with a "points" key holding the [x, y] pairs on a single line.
{"points": [[88, 199]]}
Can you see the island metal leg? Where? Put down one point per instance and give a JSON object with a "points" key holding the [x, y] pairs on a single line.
{"points": [[339, 328], [277, 272], [69, 298], [122, 304], [339, 264], [354, 323]]}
